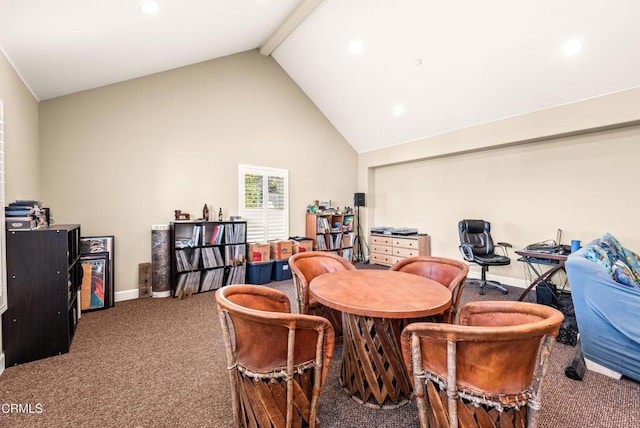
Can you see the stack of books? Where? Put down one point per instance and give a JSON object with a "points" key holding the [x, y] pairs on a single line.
{"points": [[25, 215]]}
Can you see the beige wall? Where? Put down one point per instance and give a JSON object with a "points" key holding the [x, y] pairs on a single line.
{"points": [[567, 168], [22, 167], [121, 158], [21, 142]]}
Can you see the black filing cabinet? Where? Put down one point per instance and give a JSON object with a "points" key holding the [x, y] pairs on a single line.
{"points": [[43, 279]]}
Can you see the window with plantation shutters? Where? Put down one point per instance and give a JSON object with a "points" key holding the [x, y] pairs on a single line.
{"points": [[264, 202]]}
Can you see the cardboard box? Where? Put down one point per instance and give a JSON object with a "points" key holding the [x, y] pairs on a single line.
{"points": [[281, 250], [259, 252], [302, 246]]}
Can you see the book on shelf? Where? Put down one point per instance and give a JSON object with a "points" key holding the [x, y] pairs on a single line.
{"points": [[195, 235], [212, 280], [235, 254], [236, 275], [195, 258], [347, 254], [323, 225], [18, 212], [182, 261], [347, 223], [212, 257], [335, 241], [234, 233], [321, 243], [217, 234], [25, 203], [19, 218], [188, 283], [20, 223], [348, 239]]}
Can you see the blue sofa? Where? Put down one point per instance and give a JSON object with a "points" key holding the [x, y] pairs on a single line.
{"points": [[605, 288]]}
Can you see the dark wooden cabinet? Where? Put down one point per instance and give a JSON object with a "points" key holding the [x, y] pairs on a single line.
{"points": [[43, 278]]}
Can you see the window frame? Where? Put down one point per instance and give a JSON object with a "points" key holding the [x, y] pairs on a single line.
{"points": [[266, 172]]}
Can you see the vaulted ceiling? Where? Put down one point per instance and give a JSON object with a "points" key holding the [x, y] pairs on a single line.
{"points": [[383, 72]]}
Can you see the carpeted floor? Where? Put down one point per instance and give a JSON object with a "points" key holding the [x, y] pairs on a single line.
{"points": [[161, 363]]}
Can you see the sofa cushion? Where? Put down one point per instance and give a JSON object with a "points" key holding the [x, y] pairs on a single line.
{"points": [[599, 255], [620, 263], [610, 243], [622, 274], [633, 262]]}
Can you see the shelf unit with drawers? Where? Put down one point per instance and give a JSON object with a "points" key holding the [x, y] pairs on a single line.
{"points": [[387, 250]]}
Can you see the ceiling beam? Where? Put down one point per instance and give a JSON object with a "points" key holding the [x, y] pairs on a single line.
{"points": [[288, 24]]}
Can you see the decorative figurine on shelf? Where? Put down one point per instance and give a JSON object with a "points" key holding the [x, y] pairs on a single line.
{"points": [[220, 215], [205, 213], [181, 216]]}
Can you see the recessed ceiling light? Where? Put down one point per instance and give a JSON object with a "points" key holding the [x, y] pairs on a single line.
{"points": [[149, 6], [571, 47], [356, 47], [398, 110]]}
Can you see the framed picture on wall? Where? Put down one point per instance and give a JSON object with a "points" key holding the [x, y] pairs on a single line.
{"points": [[97, 260]]}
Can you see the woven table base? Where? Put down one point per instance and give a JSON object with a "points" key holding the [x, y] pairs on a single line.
{"points": [[372, 369]]}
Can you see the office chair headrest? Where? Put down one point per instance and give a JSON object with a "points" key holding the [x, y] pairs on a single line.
{"points": [[474, 226]]}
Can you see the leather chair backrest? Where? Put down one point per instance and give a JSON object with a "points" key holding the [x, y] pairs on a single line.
{"points": [[262, 320], [313, 263], [477, 234], [497, 345], [306, 266], [448, 272]]}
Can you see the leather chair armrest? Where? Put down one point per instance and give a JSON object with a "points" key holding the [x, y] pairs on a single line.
{"points": [[467, 252], [504, 246]]}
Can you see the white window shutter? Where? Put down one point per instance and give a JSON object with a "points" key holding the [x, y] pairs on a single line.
{"points": [[264, 202]]}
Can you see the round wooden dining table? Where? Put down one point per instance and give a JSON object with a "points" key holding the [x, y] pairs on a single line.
{"points": [[376, 305]]}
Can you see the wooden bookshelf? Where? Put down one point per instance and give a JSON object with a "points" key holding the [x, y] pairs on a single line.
{"points": [[332, 232]]}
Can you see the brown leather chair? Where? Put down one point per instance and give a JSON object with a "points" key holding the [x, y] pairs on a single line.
{"points": [[448, 272], [306, 266], [485, 372], [277, 361]]}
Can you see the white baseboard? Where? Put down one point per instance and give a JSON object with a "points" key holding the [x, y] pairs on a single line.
{"points": [[120, 296], [595, 367], [2, 362], [514, 282]]}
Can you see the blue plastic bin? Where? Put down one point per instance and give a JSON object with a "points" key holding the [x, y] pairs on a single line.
{"points": [[281, 270], [259, 273]]}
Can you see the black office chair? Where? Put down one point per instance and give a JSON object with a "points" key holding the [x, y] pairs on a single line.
{"points": [[477, 246]]}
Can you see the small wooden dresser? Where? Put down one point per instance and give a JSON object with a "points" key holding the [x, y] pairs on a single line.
{"points": [[387, 250]]}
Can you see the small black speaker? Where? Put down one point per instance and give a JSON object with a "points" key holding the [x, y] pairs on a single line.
{"points": [[358, 200]]}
